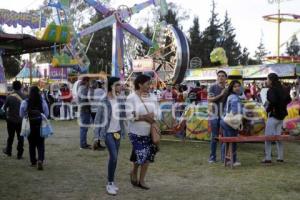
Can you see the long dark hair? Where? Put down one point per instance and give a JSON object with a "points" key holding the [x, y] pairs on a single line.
{"points": [[230, 88], [275, 81], [141, 79], [110, 82], [34, 99]]}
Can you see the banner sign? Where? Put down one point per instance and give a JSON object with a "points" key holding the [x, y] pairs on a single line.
{"points": [[248, 72], [262, 71], [208, 73], [12, 18], [143, 65], [58, 73]]}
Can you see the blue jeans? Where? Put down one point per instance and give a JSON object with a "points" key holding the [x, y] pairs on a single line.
{"points": [[85, 120], [229, 132], [215, 129], [112, 145]]}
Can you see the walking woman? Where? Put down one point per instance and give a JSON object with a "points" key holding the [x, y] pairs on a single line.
{"points": [[33, 107], [109, 121], [234, 106], [277, 101], [142, 110]]}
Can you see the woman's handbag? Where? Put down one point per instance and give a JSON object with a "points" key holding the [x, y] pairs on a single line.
{"points": [[25, 130], [154, 129], [46, 128], [234, 121]]}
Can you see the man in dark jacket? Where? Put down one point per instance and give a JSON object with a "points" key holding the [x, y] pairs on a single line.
{"points": [[14, 121]]}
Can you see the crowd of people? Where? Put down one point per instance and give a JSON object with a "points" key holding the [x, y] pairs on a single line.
{"points": [[111, 111]]}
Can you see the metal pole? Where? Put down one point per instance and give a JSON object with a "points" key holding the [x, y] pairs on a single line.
{"points": [[278, 34], [30, 70]]}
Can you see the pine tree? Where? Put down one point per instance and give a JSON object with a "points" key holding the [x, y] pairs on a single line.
{"points": [[11, 65], [148, 33], [260, 53], [293, 48], [171, 17], [229, 43], [195, 39], [100, 50], [210, 36]]}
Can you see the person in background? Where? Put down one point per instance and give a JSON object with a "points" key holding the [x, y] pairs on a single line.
{"points": [[298, 88], [112, 113], [216, 95], [185, 92], [13, 120], [142, 109], [33, 107], [195, 94], [248, 94], [253, 90], [277, 101], [175, 91], [167, 94], [55, 95], [85, 112], [66, 97], [234, 106], [95, 95], [203, 93]]}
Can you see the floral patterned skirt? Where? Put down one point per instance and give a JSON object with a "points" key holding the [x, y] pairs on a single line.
{"points": [[143, 150]]}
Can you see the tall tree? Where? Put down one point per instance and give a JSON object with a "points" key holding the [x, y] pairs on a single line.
{"points": [[11, 65], [210, 36], [293, 48], [195, 39], [100, 50], [175, 15], [229, 43], [260, 53], [144, 48]]}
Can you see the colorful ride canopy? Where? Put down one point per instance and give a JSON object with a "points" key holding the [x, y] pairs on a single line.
{"points": [[55, 33]]}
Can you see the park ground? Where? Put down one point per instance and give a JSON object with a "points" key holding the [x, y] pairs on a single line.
{"points": [[181, 171]]}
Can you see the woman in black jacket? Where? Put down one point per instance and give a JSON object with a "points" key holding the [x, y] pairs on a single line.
{"points": [[278, 99]]}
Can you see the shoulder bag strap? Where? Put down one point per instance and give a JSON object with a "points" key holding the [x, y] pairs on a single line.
{"points": [[16, 96], [143, 103]]}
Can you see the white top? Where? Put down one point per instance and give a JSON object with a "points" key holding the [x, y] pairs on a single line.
{"points": [[134, 104], [114, 125], [263, 95]]}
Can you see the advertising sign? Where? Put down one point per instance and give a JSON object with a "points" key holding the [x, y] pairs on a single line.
{"points": [[58, 73]]}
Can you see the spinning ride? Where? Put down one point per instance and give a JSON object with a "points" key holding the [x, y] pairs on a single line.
{"points": [[169, 50]]}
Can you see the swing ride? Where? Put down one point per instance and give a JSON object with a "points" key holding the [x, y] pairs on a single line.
{"points": [[278, 19]]}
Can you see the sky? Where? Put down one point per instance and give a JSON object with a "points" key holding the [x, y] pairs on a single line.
{"points": [[246, 17]]}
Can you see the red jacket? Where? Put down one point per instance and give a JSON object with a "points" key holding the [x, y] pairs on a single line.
{"points": [[66, 95]]}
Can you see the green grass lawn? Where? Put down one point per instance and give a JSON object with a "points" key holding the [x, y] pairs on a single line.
{"points": [[181, 171]]}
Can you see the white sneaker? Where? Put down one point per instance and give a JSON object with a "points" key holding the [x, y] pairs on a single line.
{"points": [[236, 164], [111, 190], [114, 186]]}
